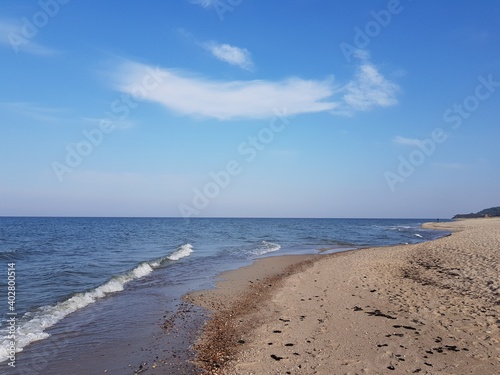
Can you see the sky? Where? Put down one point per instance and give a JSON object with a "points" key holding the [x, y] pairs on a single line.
{"points": [[249, 108]]}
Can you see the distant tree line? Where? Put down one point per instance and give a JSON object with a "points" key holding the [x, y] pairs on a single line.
{"points": [[488, 212]]}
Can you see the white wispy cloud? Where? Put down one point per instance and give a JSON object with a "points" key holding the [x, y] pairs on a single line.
{"points": [[11, 36], [35, 111], [54, 115], [193, 95], [204, 3], [231, 54], [362, 54], [369, 89], [224, 100], [407, 141]]}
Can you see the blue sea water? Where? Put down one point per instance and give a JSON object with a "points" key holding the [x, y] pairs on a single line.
{"points": [[66, 266]]}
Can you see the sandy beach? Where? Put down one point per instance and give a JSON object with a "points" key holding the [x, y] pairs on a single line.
{"points": [[429, 308]]}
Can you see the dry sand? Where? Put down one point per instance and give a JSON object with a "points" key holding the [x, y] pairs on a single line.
{"points": [[430, 308]]}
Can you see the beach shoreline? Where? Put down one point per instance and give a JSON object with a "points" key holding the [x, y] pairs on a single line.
{"points": [[424, 308]]}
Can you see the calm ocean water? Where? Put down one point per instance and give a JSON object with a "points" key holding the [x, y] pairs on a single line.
{"points": [[70, 269]]}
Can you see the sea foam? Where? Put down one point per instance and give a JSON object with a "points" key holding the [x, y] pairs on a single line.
{"points": [[31, 327], [182, 252], [266, 247]]}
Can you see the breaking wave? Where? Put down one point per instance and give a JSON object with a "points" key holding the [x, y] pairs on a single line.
{"points": [[31, 327]]}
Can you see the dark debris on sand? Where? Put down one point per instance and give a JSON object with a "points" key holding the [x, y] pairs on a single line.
{"points": [[224, 333]]}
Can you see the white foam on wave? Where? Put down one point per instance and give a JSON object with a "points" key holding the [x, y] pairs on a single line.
{"points": [[142, 270], [399, 228], [418, 235], [32, 326], [266, 247], [182, 252]]}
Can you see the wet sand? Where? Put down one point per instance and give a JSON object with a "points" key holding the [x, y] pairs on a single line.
{"points": [[428, 308]]}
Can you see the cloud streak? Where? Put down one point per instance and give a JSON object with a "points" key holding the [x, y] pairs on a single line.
{"points": [[407, 141], [203, 3], [11, 36], [197, 96], [232, 55], [34, 111]]}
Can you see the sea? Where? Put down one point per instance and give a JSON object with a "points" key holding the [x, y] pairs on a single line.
{"points": [[104, 295]]}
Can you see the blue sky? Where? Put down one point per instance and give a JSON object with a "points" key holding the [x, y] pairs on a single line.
{"points": [[303, 108]]}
